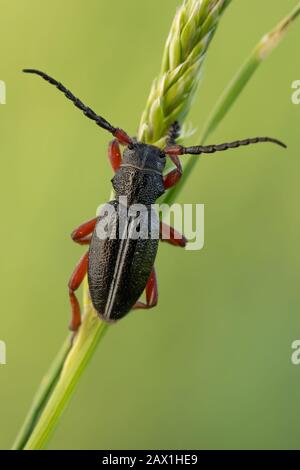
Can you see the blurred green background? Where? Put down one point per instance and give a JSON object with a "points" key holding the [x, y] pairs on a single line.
{"points": [[210, 366]]}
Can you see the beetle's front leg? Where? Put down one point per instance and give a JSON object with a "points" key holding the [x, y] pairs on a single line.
{"points": [[171, 178], [114, 154], [170, 235], [151, 293], [74, 283]]}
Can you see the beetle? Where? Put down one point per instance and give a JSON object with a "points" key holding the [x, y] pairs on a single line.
{"points": [[119, 269]]}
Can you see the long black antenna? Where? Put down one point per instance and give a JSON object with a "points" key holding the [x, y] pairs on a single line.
{"points": [[100, 121], [199, 149], [173, 134]]}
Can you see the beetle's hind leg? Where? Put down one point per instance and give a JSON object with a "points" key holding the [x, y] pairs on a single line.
{"points": [[74, 283], [151, 293], [81, 235]]}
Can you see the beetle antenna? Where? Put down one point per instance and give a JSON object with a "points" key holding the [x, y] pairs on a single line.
{"points": [[173, 133], [120, 135], [199, 149]]}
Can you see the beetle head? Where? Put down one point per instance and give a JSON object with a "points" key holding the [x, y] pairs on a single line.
{"points": [[144, 157]]}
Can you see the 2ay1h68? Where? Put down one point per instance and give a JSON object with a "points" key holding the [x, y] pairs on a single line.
{"points": [[119, 270]]}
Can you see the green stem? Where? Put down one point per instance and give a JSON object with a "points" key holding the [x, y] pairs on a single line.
{"points": [[73, 366], [42, 396]]}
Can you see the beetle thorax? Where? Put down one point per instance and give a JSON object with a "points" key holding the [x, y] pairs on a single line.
{"points": [[140, 176]]}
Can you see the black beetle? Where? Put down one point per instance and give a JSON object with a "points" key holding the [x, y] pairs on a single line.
{"points": [[121, 268]]}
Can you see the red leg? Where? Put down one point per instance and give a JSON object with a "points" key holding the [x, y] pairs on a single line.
{"points": [[74, 282], [151, 293], [173, 176], [82, 234], [114, 154], [170, 235]]}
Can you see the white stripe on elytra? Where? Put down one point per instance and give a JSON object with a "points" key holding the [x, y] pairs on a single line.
{"points": [[118, 269]]}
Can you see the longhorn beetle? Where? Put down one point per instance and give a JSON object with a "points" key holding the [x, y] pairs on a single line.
{"points": [[119, 270]]}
